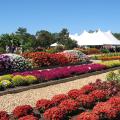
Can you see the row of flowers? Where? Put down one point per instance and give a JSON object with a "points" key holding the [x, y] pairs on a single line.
{"points": [[38, 76], [111, 64], [43, 59], [89, 51], [108, 56], [102, 99], [13, 63]]}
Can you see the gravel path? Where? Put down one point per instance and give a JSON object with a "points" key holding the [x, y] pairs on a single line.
{"points": [[9, 101]]}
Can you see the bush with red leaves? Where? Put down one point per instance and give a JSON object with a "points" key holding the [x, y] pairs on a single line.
{"points": [[88, 116], [100, 95], [69, 105], [28, 117], [4, 115], [74, 93], [43, 105], [23, 110], [58, 98], [106, 110], [114, 100], [86, 101], [87, 88], [54, 113]]}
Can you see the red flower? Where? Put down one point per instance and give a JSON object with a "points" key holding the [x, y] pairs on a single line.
{"points": [[28, 117], [58, 98], [54, 113], [69, 105], [87, 88], [105, 109], [114, 100], [88, 116], [23, 110], [4, 115], [74, 93], [86, 101], [100, 95], [43, 104]]}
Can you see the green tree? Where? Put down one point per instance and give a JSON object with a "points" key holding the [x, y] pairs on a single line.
{"points": [[26, 39], [117, 35], [44, 39], [65, 40]]}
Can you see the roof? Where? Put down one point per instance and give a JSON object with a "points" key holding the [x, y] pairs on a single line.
{"points": [[95, 38]]}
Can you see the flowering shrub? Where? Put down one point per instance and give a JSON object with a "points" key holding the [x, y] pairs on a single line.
{"points": [[59, 59], [114, 100], [43, 105], [30, 79], [69, 105], [12, 63], [18, 80], [28, 117], [5, 64], [74, 93], [64, 106], [87, 89], [54, 113], [99, 95], [89, 51], [44, 59], [106, 110], [6, 83], [4, 115], [88, 116], [6, 77], [86, 101], [62, 72], [58, 98], [23, 110]]}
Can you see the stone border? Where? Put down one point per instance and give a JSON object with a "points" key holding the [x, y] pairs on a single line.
{"points": [[53, 82]]}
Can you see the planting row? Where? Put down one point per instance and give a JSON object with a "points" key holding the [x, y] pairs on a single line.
{"points": [[95, 101], [43, 59], [106, 57], [38, 76], [111, 64], [14, 63]]}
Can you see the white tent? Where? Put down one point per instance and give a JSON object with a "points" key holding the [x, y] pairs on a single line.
{"points": [[111, 37], [96, 38], [55, 44], [88, 39]]}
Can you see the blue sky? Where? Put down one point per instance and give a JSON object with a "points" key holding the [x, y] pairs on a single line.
{"points": [[53, 15]]}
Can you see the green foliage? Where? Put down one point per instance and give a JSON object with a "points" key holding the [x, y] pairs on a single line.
{"points": [[117, 35], [30, 79], [44, 38], [110, 64], [6, 83], [111, 76], [105, 50], [18, 80]]}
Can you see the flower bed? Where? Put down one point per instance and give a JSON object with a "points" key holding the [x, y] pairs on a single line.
{"points": [[38, 76], [106, 57], [110, 64], [44, 59], [89, 51], [12, 63], [86, 105]]}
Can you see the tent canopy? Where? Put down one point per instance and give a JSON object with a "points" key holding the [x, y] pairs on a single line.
{"points": [[55, 44], [95, 38]]}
